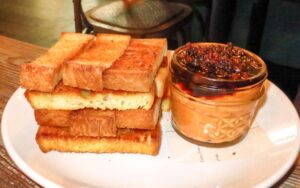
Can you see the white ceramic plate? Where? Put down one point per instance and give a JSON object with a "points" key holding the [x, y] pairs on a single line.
{"points": [[259, 160]]}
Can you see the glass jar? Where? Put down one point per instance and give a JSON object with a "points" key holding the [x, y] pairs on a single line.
{"points": [[211, 108]]}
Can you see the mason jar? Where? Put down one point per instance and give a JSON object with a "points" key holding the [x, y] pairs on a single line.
{"points": [[215, 89]]}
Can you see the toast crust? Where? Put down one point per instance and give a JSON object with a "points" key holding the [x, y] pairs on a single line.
{"points": [[83, 76], [126, 141], [161, 78], [139, 119], [166, 103], [57, 118], [92, 123]]}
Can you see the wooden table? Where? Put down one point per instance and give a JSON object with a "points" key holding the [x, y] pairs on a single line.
{"points": [[12, 54]]}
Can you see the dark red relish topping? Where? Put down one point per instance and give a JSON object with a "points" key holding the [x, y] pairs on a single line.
{"points": [[218, 61]]}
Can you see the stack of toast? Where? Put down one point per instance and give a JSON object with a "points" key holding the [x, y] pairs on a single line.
{"points": [[98, 93]]}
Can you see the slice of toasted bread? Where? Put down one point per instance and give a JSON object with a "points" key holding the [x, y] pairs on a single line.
{"points": [[166, 103], [70, 98], [162, 75], [44, 73], [85, 122], [126, 141], [58, 99], [134, 119], [85, 69], [137, 67]]}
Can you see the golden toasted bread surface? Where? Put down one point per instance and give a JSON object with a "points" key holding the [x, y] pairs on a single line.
{"points": [[93, 123], [126, 141], [137, 67], [134, 119], [70, 98], [45, 72], [59, 118], [162, 75], [85, 69], [139, 119]]}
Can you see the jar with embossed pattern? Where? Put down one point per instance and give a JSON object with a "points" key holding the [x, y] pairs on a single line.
{"points": [[215, 90]]}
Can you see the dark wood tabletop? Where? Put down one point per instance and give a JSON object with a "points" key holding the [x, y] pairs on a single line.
{"points": [[12, 54]]}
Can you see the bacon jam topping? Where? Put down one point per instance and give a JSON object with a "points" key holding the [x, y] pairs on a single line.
{"points": [[218, 61], [222, 68]]}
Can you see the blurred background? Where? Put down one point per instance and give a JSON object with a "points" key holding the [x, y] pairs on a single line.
{"points": [[269, 28]]}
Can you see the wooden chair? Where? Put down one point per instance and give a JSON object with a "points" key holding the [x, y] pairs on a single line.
{"points": [[146, 18]]}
